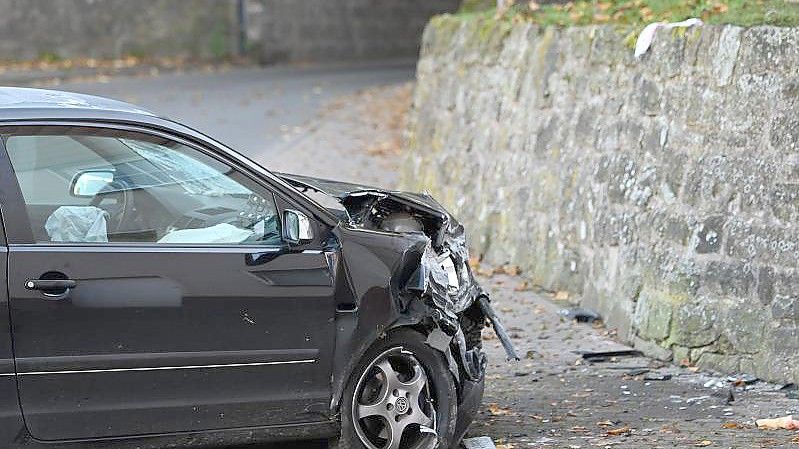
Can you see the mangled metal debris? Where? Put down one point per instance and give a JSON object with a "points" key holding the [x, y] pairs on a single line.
{"points": [[440, 293], [602, 356], [581, 315]]}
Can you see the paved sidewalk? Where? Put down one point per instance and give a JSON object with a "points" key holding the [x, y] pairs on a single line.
{"points": [[554, 398]]}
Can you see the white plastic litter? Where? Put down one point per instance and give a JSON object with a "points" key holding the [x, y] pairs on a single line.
{"points": [[648, 34], [77, 224], [479, 443], [221, 233]]}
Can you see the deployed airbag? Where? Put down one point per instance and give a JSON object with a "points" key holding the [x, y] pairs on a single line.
{"points": [[221, 233], [77, 224]]}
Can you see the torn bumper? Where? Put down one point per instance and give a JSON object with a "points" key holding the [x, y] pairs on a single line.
{"points": [[455, 307]]}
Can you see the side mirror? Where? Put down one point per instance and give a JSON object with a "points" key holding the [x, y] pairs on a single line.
{"points": [[297, 226], [88, 183]]}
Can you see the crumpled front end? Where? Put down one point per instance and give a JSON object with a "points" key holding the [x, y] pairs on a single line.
{"points": [[459, 308], [433, 286]]}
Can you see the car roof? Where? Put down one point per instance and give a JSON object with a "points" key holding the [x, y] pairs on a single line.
{"points": [[20, 105], [45, 100]]}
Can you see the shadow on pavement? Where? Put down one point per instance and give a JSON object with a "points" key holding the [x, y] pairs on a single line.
{"points": [[287, 445]]}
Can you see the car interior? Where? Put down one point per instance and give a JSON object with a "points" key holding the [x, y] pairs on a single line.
{"points": [[137, 189]]}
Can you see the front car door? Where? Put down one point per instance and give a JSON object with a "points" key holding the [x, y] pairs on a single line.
{"points": [[11, 424], [151, 291]]}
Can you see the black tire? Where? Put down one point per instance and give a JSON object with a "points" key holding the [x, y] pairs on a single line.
{"points": [[440, 381]]}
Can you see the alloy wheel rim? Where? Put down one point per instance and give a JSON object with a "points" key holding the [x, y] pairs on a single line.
{"points": [[393, 407]]}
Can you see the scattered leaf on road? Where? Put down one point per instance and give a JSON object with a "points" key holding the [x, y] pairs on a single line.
{"points": [[562, 295], [620, 431], [496, 410]]}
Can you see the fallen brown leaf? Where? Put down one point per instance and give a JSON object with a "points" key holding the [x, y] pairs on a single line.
{"points": [[670, 428], [731, 425], [496, 410], [620, 431], [474, 262], [703, 443], [522, 287], [601, 18]]}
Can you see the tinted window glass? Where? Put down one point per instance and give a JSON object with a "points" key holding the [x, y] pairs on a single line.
{"points": [[83, 186]]}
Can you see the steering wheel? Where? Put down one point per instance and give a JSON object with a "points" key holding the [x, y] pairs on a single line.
{"points": [[119, 190]]}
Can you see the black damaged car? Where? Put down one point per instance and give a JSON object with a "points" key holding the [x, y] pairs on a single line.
{"points": [[163, 290]]}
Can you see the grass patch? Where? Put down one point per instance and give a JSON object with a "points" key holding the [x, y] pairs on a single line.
{"points": [[641, 12]]}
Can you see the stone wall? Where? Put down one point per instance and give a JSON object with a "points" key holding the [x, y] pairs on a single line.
{"points": [[31, 29], [272, 30], [334, 30], [662, 192]]}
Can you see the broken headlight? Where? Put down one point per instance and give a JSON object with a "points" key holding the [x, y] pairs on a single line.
{"points": [[447, 263]]}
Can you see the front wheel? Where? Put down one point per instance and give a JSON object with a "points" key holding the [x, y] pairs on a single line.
{"points": [[401, 396]]}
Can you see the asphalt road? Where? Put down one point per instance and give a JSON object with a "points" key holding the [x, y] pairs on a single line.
{"points": [[252, 110]]}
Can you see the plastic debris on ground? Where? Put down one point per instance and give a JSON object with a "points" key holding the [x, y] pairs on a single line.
{"points": [[742, 379], [646, 37], [580, 315], [479, 443], [603, 356], [785, 422], [658, 377], [791, 391]]}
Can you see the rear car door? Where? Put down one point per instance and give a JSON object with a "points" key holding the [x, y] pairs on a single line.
{"points": [[151, 291]]}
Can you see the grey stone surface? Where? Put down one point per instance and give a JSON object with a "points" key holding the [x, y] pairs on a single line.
{"points": [[275, 30], [32, 29], [662, 191], [335, 30]]}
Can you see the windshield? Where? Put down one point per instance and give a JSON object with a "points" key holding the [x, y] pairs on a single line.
{"points": [[167, 167]]}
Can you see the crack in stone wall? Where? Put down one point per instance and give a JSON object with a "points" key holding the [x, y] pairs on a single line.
{"points": [[664, 192]]}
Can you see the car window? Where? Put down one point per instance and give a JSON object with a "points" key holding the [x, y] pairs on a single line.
{"points": [[82, 186]]}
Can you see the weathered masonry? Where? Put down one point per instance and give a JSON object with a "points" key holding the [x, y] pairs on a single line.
{"points": [[663, 192], [268, 30]]}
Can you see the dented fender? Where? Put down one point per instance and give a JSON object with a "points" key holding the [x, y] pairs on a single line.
{"points": [[405, 263]]}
